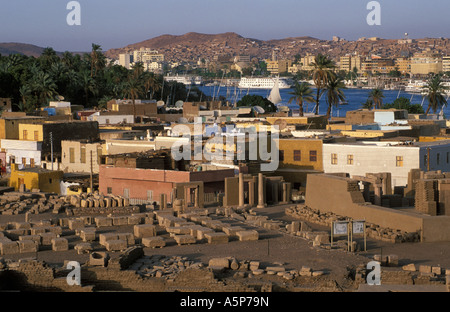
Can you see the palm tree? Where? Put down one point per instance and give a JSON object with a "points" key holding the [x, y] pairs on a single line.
{"points": [[376, 95], [435, 93], [97, 59], [133, 89], [137, 70], [302, 92], [150, 83], [44, 87], [88, 85], [321, 72], [335, 93]]}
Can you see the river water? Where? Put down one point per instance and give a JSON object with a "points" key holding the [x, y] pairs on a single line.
{"points": [[355, 98]]}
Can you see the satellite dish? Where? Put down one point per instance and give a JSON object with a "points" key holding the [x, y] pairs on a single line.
{"points": [[160, 103], [259, 109], [183, 120], [60, 97], [179, 104], [281, 123]]}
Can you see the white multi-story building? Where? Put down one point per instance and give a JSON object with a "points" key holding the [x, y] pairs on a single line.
{"points": [[360, 158], [126, 60], [25, 153]]}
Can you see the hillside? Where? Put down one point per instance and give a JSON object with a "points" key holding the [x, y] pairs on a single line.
{"points": [[20, 48]]}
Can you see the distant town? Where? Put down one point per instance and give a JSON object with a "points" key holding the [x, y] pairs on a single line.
{"points": [[118, 173]]}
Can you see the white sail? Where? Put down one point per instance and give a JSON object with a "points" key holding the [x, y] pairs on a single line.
{"points": [[275, 96]]}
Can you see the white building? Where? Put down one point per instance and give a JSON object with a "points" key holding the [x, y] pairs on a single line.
{"points": [[111, 119], [26, 153], [360, 158], [126, 60]]}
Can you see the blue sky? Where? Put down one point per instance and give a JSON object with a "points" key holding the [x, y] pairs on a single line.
{"points": [[114, 23]]}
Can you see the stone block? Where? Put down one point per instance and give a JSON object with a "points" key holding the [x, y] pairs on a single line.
{"points": [[60, 244], [116, 245], [99, 259], [219, 262], [322, 238], [144, 230], [425, 269], [75, 224], [153, 242], [104, 237], [35, 238], [128, 237], [180, 230], [232, 230], [436, 270], [275, 269], [254, 265], [22, 225], [185, 239], [248, 235], [120, 220], [216, 238], [134, 220], [103, 221], [8, 247], [201, 232], [83, 248], [37, 230], [54, 229], [28, 246], [14, 234], [88, 234], [46, 238]]}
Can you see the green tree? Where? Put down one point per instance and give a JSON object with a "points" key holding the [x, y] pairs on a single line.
{"points": [[335, 94], [302, 93], [404, 103], [376, 96], [133, 89], [257, 100], [321, 73], [435, 93]]}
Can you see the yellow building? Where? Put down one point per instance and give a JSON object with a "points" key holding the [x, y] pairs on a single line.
{"points": [[9, 126], [307, 62], [426, 63], [31, 132], [446, 64], [278, 67], [403, 65], [36, 178], [345, 63], [299, 153]]}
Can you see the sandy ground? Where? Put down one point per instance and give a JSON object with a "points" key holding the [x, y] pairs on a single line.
{"points": [[272, 247]]}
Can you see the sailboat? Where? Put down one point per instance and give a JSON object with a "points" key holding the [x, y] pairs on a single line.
{"points": [[275, 96]]}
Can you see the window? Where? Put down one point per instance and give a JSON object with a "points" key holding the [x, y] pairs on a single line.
{"points": [[334, 159], [281, 155], [399, 161], [438, 158], [83, 155], [32, 162], [25, 134], [425, 160], [71, 155], [448, 157], [350, 159], [36, 135], [126, 193], [107, 121], [150, 195], [312, 155], [297, 155], [50, 181], [24, 161], [109, 190]]}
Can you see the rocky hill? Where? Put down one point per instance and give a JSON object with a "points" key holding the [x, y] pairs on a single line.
{"points": [[20, 48]]}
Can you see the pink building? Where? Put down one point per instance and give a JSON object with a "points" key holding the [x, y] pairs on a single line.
{"points": [[149, 184]]}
